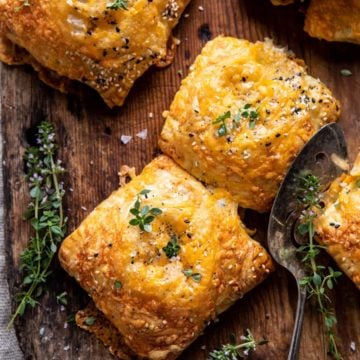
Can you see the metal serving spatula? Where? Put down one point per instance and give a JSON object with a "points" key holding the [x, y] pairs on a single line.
{"points": [[322, 157]]}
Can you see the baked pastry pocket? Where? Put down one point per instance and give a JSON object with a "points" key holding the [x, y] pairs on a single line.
{"points": [[242, 115], [159, 285], [338, 225], [334, 20], [104, 44]]}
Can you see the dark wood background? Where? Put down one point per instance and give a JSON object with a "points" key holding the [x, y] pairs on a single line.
{"points": [[89, 136]]}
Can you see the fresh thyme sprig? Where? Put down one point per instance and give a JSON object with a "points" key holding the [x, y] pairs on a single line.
{"points": [[172, 248], [237, 351], [118, 4], [319, 279], [251, 114], [46, 216], [247, 112], [143, 216]]}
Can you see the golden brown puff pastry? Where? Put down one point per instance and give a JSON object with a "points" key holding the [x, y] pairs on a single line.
{"points": [[89, 41], [334, 20], [231, 81], [338, 226], [104, 330], [160, 304]]}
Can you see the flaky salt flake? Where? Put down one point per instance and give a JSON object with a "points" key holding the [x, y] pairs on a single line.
{"points": [[142, 134], [125, 139], [353, 346]]}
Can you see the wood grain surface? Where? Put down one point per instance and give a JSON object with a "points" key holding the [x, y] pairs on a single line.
{"points": [[89, 136]]}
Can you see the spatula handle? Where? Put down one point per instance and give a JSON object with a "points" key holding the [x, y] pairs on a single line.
{"points": [[295, 341]]}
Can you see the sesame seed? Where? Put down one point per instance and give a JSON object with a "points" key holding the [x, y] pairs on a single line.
{"points": [[171, 11]]}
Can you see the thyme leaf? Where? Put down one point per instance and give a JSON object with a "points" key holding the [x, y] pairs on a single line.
{"points": [[345, 72], [90, 321], [190, 274], [118, 4], [172, 248], [62, 298], [222, 130], [247, 112], [117, 285]]}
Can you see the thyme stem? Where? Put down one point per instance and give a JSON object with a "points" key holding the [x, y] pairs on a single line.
{"points": [[46, 216], [319, 279], [237, 351]]}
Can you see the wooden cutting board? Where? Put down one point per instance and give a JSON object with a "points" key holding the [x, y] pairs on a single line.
{"points": [[89, 137]]}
